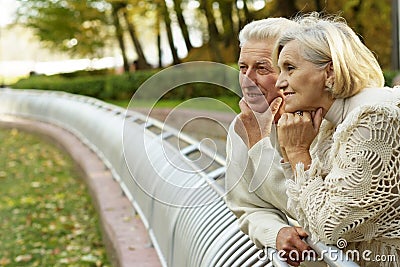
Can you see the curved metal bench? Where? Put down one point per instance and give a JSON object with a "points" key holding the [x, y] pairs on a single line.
{"points": [[180, 204]]}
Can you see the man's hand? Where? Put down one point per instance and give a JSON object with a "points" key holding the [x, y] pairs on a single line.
{"points": [[290, 245], [254, 126]]}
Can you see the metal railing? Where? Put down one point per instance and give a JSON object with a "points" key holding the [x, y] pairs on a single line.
{"points": [[181, 205]]}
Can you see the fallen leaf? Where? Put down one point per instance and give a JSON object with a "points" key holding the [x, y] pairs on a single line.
{"points": [[4, 261], [23, 258], [89, 258], [35, 184]]}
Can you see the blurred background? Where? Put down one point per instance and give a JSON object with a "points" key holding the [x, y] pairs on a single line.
{"points": [[50, 36]]}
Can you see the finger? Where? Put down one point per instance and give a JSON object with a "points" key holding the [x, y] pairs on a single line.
{"points": [[275, 104], [305, 118], [243, 105], [317, 119], [290, 118], [302, 233], [299, 243], [307, 115], [292, 263], [282, 120]]}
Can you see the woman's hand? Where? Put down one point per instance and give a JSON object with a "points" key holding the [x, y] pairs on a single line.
{"points": [[253, 126], [296, 133]]}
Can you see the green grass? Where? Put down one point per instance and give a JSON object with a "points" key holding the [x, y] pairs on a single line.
{"points": [[46, 214], [222, 104]]}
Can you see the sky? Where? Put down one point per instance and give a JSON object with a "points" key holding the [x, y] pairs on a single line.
{"points": [[7, 11]]}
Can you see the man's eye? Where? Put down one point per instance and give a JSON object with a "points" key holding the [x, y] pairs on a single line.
{"points": [[264, 69], [243, 68]]}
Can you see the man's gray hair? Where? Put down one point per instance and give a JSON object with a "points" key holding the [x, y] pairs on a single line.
{"points": [[264, 29]]}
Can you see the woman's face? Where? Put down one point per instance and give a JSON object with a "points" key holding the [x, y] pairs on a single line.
{"points": [[302, 82], [257, 76]]}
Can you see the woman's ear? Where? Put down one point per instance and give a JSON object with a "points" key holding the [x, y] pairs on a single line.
{"points": [[330, 76]]}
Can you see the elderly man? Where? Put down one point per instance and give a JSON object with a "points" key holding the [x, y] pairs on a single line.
{"points": [[255, 183]]}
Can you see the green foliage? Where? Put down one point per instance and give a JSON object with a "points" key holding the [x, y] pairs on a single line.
{"points": [[125, 85], [83, 27], [375, 31], [107, 86], [47, 218], [122, 87], [76, 27], [389, 77]]}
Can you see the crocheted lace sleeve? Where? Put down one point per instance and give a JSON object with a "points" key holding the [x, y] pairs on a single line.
{"points": [[353, 193]]}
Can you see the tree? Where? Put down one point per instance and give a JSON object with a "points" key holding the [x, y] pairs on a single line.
{"points": [[167, 21], [213, 34], [82, 28], [116, 7], [285, 8], [375, 31], [182, 24], [79, 28], [141, 61]]}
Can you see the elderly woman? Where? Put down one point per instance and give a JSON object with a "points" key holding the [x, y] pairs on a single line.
{"points": [[255, 182], [340, 139]]}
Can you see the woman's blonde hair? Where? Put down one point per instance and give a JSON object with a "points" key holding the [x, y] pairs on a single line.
{"points": [[329, 39]]}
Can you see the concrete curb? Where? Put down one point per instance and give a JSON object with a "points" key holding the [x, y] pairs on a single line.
{"points": [[124, 234]]}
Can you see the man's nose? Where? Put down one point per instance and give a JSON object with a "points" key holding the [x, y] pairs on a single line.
{"points": [[249, 78]]}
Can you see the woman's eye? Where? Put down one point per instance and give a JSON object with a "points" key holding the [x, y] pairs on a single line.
{"points": [[290, 67]]}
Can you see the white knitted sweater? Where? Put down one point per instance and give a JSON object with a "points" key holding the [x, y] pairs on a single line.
{"points": [[352, 190]]}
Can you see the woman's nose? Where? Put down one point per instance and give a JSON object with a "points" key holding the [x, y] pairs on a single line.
{"points": [[281, 83]]}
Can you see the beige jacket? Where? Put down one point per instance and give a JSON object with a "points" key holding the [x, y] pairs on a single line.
{"points": [[256, 190]]}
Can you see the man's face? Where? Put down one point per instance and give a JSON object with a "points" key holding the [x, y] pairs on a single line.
{"points": [[257, 76]]}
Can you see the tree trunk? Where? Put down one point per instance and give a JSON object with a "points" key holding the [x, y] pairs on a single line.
{"points": [[248, 16], [182, 24], [141, 61], [226, 8], [119, 33], [167, 21], [159, 50], [212, 31], [286, 8], [318, 6], [244, 15]]}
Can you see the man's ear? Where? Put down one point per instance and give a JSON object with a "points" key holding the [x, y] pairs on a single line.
{"points": [[330, 76]]}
